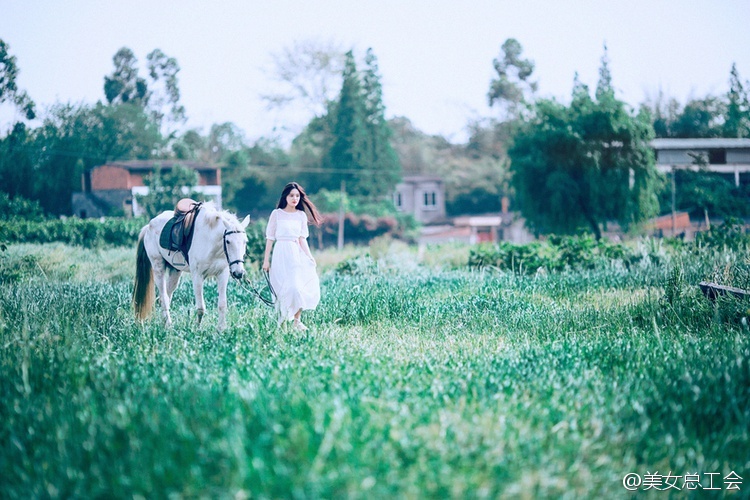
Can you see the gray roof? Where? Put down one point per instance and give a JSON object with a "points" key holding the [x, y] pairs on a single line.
{"points": [[715, 143]]}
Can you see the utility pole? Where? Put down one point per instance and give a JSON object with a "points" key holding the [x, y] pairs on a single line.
{"points": [[341, 215], [674, 190]]}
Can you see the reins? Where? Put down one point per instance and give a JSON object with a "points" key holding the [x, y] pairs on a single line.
{"points": [[245, 281], [248, 284]]}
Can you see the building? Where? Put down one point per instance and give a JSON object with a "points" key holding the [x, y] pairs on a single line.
{"points": [[111, 189], [724, 156], [423, 196]]}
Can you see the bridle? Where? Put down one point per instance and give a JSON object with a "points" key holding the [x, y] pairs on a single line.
{"points": [[246, 282], [226, 253]]}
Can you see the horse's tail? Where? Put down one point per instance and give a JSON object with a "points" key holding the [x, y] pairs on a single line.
{"points": [[143, 291]]}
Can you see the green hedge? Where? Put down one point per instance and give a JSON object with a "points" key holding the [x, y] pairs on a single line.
{"points": [[100, 233], [90, 233], [555, 254]]}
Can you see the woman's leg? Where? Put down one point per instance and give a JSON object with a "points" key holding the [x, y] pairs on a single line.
{"points": [[297, 323]]}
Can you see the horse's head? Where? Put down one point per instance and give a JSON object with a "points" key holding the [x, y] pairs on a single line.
{"points": [[235, 244]]}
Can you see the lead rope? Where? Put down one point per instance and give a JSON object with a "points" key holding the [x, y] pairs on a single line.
{"points": [[248, 284]]}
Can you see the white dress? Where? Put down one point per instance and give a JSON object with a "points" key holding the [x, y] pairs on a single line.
{"points": [[293, 275]]}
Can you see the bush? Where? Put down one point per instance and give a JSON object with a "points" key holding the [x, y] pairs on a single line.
{"points": [[90, 233], [730, 235], [19, 208], [555, 254], [363, 228]]}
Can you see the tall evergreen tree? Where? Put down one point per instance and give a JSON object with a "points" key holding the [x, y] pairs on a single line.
{"points": [[384, 167], [737, 117], [348, 155]]}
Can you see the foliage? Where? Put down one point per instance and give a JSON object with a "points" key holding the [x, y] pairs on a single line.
{"points": [[20, 208], [124, 85], [308, 74], [382, 170], [730, 234], [361, 228], [90, 233], [556, 254], [710, 116], [347, 156], [512, 86], [351, 142], [9, 91], [700, 193], [256, 241], [166, 189], [576, 167], [18, 163], [159, 97], [47, 163]]}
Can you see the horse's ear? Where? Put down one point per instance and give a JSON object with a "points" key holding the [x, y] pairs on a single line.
{"points": [[245, 222]]}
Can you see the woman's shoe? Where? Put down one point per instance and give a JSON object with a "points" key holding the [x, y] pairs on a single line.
{"points": [[299, 325]]}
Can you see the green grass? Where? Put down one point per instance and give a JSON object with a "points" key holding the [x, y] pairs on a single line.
{"points": [[415, 380]]}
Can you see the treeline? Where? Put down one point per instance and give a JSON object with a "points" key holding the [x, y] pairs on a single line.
{"points": [[566, 167]]}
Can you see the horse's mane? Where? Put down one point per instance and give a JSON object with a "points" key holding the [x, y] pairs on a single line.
{"points": [[228, 217]]}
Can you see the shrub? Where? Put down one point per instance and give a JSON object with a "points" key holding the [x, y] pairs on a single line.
{"points": [[90, 233], [555, 254]]}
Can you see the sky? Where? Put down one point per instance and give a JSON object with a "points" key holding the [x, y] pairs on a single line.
{"points": [[435, 57]]}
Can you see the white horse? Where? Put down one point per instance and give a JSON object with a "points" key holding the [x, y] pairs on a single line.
{"points": [[218, 249]]}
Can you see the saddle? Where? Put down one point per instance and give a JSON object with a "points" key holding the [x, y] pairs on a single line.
{"points": [[177, 235]]}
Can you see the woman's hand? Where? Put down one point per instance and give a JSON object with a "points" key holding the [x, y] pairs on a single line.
{"points": [[266, 265]]}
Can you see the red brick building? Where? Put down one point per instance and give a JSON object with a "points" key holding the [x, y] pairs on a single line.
{"points": [[110, 189]]}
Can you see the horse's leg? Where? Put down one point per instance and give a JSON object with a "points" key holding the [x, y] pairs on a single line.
{"points": [[221, 284], [173, 279], [160, 278], [200, 306]]}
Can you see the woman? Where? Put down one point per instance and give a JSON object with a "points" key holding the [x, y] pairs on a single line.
{"points": [[293, 275]]}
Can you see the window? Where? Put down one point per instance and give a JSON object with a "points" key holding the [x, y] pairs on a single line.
{"points": [[717, 156], [430, 200], [397, 200]]}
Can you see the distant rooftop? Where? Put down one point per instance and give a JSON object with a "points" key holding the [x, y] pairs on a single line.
{"points": [[148, 165], [715, 143], [421, 178]]}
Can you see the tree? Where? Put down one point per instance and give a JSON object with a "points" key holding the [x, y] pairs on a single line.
{"points": [[9, 91], [309, 72], [75, 138], [164, 98], [166, 189], [124, 85], [17, 163], [349, 154], [384, 168], [512, 87], [159, 96], [578, 167], [737, 116]]}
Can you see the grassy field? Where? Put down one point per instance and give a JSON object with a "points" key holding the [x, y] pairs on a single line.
{"points": [[418, 378]]}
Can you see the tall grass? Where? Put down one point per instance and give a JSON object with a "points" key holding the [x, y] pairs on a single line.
{"points": [[413, 382]]}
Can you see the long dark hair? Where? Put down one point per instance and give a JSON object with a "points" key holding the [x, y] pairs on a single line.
{"points": [[305, 204]]}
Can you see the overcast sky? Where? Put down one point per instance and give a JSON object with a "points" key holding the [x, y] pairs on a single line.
{"points": [[435, 56]]}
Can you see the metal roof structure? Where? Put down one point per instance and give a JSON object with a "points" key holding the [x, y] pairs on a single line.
{"points": [[691, 143]]}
